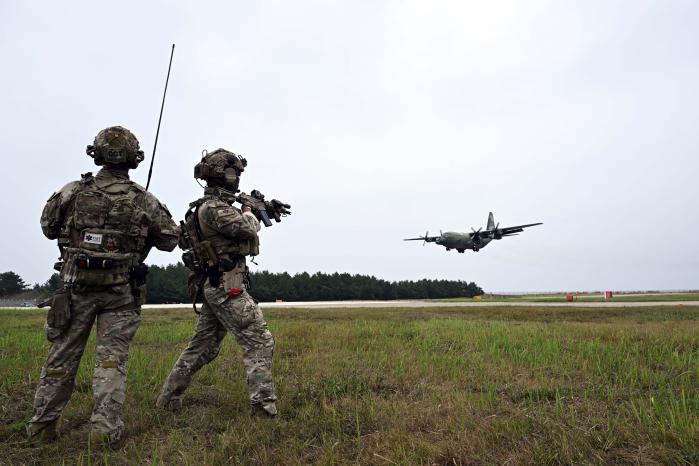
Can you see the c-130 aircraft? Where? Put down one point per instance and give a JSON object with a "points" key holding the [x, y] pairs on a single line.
{"points": [[476, 240]]}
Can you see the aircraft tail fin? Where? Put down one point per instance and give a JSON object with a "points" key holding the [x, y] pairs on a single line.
{"points": [[491, 222]]}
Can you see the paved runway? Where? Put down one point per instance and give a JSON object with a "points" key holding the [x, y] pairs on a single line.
{"points": [[424, 303], [420, 303]]}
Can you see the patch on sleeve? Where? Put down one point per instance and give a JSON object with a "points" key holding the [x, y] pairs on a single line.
{"points": [[164, 207], [225, 216], [92, 238]]}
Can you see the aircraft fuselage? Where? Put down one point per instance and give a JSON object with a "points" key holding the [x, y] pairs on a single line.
{"points": [[462, 241], [475, 241]]}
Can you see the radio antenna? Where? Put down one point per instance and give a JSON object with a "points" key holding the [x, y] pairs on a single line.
{"points": [[160, 118]]}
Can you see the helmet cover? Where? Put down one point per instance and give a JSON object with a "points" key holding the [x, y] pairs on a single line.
{"points": [[221, 168], [116, 146]]}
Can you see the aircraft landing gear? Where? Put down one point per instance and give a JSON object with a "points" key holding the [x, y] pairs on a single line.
{"points": [[476, 249], [448, 249], [460, 251]]}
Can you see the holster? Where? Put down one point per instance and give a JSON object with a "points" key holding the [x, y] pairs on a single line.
{"points": [[59, 314], [137, 279], [237, 275], [214, 275]]}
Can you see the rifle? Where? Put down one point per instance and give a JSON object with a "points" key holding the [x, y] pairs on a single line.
{"points": [[193, 260], [262, 209], [203, 257]]}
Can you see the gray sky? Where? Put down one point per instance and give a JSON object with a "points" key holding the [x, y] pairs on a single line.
{"points": [[379, 120]]}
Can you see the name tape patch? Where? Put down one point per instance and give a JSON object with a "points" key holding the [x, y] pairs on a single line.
{"points": [[93, 238]]}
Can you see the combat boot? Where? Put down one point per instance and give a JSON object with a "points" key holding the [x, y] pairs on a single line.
{"points": [[268, 409], [42, 432], [169, 404]]}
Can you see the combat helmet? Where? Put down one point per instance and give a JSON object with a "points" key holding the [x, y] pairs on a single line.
{"points": [[115, 146], [221, 168]]}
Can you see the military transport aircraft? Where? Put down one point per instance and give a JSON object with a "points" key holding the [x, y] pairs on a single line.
{"points": [[475, 240]]}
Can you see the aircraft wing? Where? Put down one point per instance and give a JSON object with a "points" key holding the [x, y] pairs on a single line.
{"points": [[509, 231], [429, 239]]}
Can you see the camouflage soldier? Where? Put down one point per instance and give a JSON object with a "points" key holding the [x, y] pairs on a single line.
{"points": [[105, 225], [221, 236]]}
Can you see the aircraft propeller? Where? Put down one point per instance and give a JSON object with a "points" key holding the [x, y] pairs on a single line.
{"points": [[476, 235], [497, 234], [425, 239]]}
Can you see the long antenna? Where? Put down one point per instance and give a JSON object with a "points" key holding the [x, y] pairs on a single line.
{"points": [[162, 106]]}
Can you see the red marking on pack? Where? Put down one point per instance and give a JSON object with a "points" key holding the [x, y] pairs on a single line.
{"points": [[234, 292]]}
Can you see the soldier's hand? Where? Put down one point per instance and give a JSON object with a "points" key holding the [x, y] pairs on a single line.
{"points": [[247, 208]]}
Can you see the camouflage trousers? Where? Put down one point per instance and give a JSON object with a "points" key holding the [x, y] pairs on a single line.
{"points": [[221, 314], [118, 317]]}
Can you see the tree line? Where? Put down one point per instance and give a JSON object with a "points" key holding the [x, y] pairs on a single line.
{"points": [[168, 284], [11, 284]]}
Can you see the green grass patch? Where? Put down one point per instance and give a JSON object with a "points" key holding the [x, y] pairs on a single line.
{"points": [[488, 385]]}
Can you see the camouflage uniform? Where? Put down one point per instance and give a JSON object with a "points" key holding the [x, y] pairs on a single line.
{"points": [[227, 308], [105, 226]]}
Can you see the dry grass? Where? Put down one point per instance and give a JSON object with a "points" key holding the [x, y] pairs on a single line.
{"points": [[395, 386]]}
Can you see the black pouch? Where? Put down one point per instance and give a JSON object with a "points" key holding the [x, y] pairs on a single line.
{"points": [[59, 315], [189, 261], [138, 274]]}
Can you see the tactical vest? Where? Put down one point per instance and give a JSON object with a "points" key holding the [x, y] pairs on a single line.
{"points": [[104, 233], [223, 246]]}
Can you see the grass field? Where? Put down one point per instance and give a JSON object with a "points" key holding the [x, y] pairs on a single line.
{"points": [[597, 297], [431, 386]]}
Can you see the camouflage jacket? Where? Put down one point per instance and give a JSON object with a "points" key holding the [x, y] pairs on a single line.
{"points": [[231, 233], [108, 220]]}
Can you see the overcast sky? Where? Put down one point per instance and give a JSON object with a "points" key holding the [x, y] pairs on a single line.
{"points": [[377, 121]]}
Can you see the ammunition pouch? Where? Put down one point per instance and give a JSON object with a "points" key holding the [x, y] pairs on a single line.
{"points": [[83, 261], [91, 268], [59, 314]]}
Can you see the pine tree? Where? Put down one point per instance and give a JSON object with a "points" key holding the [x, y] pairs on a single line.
{"points": [[11, 283]]}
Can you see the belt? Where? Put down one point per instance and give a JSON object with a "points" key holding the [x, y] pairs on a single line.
{"points": [[84, 261]]}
